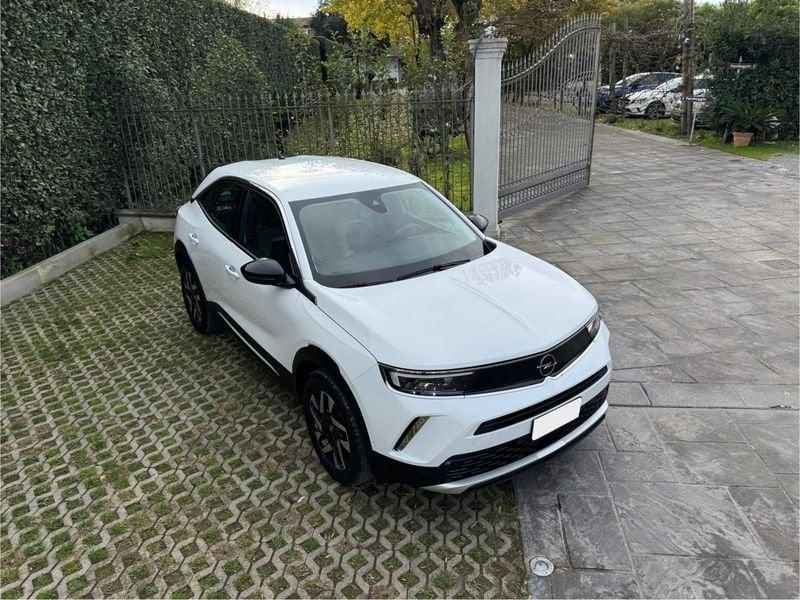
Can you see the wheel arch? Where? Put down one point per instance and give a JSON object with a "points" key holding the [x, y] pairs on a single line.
{"points": [[310, 358], [181, 253]]}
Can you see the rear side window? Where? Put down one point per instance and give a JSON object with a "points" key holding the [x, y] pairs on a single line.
{"points": [[221, 204]]}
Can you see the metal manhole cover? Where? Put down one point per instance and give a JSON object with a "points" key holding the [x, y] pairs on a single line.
{"points": [[541, 566]]}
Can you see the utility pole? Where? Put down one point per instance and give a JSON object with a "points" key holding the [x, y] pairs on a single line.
{"points": [[612, 69], [687, 64]]}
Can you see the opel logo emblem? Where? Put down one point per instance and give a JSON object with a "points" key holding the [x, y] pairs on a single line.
{"points": [[547, 365]]}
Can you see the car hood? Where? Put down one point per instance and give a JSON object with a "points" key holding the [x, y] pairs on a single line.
{"points": [[503, 305]]}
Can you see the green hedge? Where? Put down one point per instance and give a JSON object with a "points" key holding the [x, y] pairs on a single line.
{"points": [[66, 68], [764, 32]]}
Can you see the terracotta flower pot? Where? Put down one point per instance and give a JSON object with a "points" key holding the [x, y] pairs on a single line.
{"points": [[742, 138]]}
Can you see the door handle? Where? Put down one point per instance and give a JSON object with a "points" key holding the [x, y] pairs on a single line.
{"points": [[232, 271], [194, 239]]}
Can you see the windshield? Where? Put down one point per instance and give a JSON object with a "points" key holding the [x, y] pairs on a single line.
{"points": [[382, 235]]}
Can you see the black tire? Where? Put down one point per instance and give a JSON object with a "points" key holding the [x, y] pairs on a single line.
{"points": [[655, 110], [335, 429], [194, 299]]}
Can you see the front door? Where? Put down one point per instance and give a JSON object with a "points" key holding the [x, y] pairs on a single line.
{"points": [[267, 313]]}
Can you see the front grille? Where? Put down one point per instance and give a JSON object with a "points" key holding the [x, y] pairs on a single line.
{"points": [[525, 371], [463, 466], [541, 407]]}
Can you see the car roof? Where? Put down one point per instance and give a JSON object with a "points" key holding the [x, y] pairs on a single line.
{"points": [[304, 177]]}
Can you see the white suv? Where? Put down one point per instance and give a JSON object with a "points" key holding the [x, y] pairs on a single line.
{"points": [[422, 351]]}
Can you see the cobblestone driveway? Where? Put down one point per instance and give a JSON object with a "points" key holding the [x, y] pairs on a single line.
{"points": [[691, 489], [140, 458]]}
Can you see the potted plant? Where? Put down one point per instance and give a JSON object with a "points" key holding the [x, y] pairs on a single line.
{"points": [[745, 120]]}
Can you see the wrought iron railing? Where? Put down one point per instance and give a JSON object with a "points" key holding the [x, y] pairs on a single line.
{"points": [[169, 149]]}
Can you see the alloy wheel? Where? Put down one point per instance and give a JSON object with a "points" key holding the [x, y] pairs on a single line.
{"points": [[329, 432], [192, 296]]}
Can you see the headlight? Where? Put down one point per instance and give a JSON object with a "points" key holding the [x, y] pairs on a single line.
{"points": [[428, 383], [593, 327]]}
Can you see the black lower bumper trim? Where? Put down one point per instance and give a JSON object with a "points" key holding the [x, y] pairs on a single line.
{"points": [[469, 465]]}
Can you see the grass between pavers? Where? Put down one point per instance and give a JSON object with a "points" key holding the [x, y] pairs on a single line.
{"points": [[140, 458], [704, 137]]}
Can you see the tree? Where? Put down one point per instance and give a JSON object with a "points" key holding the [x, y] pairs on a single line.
{"points": [[410, 21], [528, 23], [327, 24], [392, 19]]}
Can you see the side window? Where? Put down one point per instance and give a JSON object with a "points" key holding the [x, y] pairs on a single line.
{"points": [[261, 230], [221, 203]]}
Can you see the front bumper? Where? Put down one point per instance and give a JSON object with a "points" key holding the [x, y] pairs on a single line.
{"points": [[635, 109], [469, 441]]}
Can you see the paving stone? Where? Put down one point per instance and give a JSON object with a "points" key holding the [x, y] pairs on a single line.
{"points": [[727, 367], [627, 353], [541, 527], [724, 464], [685, 347], [670, 518], [755, 415], [682, 577], [631, 430], [575, 583], [141, 458], [577, 472], [773, 517], [777, 579], [593, 536], [598, 439], [694, 425], [768, 396], [790, 485], [637, 466], [692, 395], [669, 373], [776, 444], [627, 394]]}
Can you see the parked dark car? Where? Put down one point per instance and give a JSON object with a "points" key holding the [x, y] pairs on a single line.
{"points": [[630, 84]]}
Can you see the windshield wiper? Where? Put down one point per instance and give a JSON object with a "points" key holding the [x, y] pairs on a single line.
{"points": [[368, 283], [433, 268]]}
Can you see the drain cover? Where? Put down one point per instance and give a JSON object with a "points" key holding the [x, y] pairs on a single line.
{"points": [[541, 566]]}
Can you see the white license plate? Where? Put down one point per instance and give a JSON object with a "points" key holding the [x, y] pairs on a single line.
{"points": [[557, 417]]}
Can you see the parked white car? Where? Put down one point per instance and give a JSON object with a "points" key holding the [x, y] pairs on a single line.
{"points": [[653, 103], [664, 100], [421, 350]]}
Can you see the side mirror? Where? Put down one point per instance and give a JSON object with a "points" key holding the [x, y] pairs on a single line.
{"points": [[479, 221], [266, 271]]}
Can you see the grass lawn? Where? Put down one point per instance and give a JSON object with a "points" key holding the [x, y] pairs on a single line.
{"points": [[703, 137]]}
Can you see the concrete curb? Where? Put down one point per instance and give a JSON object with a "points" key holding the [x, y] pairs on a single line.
{"points": [[151, 219], [27, 281]]}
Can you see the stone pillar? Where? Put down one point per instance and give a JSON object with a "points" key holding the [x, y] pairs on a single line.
{"points": [[488, 54]]}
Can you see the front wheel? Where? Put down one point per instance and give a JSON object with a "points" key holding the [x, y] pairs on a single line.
{"points": [[655, 110], [333, 424]]}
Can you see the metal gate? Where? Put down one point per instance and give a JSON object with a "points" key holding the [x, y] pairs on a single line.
{"points": [[548, 103]]}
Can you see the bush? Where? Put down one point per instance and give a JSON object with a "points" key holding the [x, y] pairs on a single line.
{"points": [[67, 66], [763, 32]]}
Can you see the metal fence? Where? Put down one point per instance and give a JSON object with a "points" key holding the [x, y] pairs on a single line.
{"points": [[548, 103], [169, 149]]}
